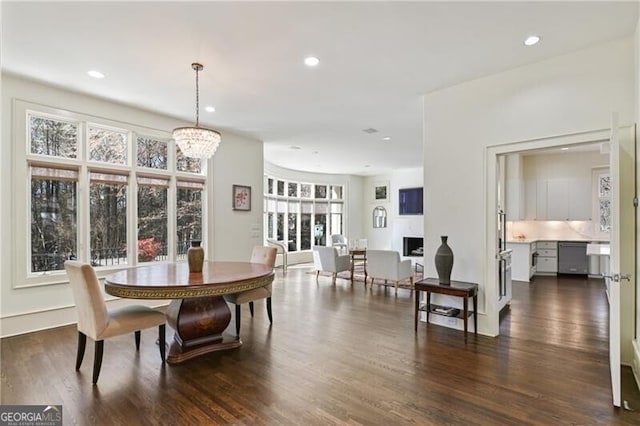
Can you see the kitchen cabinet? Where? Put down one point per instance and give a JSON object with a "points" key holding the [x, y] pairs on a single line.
{"points": [[521, 260], [558, 199], [547, 258]]}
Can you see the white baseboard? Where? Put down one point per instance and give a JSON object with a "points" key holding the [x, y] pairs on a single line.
{"points": [[57, 317], [635, 368]]}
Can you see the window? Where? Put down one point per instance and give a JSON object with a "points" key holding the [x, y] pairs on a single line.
{"points": [[84, 175], [305, 215], [53, 218], [108, 219]]}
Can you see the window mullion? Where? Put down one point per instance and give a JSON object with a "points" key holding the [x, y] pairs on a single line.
{"points": [[84, 231]]}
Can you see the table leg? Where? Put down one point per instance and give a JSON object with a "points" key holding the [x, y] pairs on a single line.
{"points": [[353, 264], [416, 311], [466, 316], [199, 324], [475, 314], [428, 305]]}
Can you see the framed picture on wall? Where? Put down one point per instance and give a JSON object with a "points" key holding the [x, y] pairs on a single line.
{"points": [[241, 197], [381, 191]]}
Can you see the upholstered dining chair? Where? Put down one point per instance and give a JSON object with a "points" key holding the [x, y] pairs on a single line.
{"points": [[266, 256], [96, 322]]}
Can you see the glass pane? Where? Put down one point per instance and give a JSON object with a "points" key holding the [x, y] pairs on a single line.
{"points": [[322, 208], [107, 146], [152, 223], [280, 227], [187, 164], [293, 189], [152, 153], [305, 190], [305, 231], [108, 220], [293, 232], [269, 225], [189, 222], [269, 186], [53, 223], [336, 192], [307, 207], [336, 224], [53, 137], [321, 191], [280, 187], [319, 230]]}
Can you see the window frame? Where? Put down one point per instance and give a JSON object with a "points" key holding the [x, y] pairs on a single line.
{"points": [[24, 159]]}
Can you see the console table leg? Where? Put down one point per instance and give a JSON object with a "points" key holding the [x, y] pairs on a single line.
{"points": [[475, 315], [466, 316]]}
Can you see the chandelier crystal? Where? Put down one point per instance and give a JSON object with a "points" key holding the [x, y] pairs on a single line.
{"points": [[197, 142]]}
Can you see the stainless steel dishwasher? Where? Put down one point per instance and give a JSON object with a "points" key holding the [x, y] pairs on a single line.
{"points": [[572, 257]]}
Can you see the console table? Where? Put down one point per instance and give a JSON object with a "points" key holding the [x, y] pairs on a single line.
{"points": [[457, 289]]}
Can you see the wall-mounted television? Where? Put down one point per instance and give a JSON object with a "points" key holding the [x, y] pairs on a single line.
{"points": [[410, 201]]}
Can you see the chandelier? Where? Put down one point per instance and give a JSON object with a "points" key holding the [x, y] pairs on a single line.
{"points": [[197, 142]]}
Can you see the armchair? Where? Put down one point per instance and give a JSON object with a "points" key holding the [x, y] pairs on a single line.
{"points": [[386, 265], [327, 259]]}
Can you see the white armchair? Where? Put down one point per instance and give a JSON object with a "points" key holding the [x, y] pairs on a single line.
{"points": [[327, 259], [386, 265], [282, 248], [340, 242]]}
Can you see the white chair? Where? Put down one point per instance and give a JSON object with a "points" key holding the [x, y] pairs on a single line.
{"points": [[266, 256], [327, 259], [340, 242], [96, 322], [282, 248], [386, 265]]}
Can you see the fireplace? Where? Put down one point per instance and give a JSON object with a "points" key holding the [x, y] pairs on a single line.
{"points": [[413, 246]]}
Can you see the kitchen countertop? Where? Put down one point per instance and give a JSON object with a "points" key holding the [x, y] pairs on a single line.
{"points": [[528, 241]]}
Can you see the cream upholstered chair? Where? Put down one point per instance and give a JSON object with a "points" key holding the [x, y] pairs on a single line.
{"points": [[386, 265], [340, 242], [96, 322], [327, 259], [266, 256], [282, 248]]}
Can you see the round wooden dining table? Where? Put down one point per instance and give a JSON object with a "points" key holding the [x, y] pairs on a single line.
{"points": [[197, 312]]}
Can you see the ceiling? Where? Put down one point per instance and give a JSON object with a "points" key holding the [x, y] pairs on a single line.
{"points": [[377, 59]]}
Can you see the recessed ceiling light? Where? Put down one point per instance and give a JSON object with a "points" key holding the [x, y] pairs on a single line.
{"points": [[564, 149], [367, 165], [95, 74], [311, 61], [210, 108], [294, 147], [386, 138], [531, 40], [315, 152]]}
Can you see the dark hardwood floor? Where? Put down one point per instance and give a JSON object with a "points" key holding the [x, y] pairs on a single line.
{"points": [[340, 354]]}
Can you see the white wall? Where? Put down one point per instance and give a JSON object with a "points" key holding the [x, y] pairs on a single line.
{"points": [[33, 308], [636, 343], [571, 93], [390, 238]]}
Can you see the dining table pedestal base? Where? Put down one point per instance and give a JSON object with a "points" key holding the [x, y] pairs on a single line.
{"points": [[199, 325]]}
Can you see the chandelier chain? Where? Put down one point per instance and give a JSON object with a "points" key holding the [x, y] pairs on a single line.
{"points": [[197, 98]]}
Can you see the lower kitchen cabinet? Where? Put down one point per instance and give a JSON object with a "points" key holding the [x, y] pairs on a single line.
{"points": [[547, 257]]}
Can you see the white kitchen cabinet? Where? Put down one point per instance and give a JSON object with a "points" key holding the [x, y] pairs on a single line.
{"points": [[558, 199], [580, 199], [520, 261], [530, 199], [541, 200], [547, 257]]}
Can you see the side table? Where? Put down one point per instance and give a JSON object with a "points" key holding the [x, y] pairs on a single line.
{"points": [[457, 289], [360, 255]]}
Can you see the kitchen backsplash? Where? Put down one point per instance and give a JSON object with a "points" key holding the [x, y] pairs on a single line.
{"points": [[554, 230]]}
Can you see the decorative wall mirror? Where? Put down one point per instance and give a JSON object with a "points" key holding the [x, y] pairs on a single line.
{"points": [[379, 217]]}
